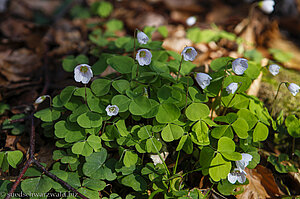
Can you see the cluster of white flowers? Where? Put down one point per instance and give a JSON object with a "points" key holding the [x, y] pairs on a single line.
{"points": [[239, 174]]}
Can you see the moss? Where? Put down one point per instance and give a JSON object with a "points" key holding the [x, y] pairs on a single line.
{"points": [[285, 100]]}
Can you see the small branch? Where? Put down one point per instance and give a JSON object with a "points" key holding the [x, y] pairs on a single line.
{"points": [[32, 138], [55, 178], [17, 120], [17, 182]]}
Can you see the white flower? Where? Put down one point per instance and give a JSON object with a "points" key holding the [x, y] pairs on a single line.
{"points": [[191, 20], [189, 53], [274, 69], [239, 66], [267, 6], [83, 73], [142, 37], [156, 159], [41, 99], [143, 56], [203, 80], [112, 110], [293, 88], [231, 88], [237, 175], [243, 163]]}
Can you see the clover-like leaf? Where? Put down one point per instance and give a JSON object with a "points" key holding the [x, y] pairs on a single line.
{"points": [[260, 132], [196, 111], [171, 132]]}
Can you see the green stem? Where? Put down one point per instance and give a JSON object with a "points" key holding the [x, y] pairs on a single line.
{"points": [[177, 159], [134, 38], [273, 103], [179, 68], [85, 95], [186, 94]]}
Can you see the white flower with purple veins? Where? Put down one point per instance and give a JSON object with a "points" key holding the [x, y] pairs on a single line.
{"points": [[239, 66], [143, 56], [231, 88], [156, 159], [293, 88], [243, 163], [112, 110], [203, 80], [274, 69], [267, 6], [41, 99], [189, 53], [142, 37], [237, 175], [83, 73]]}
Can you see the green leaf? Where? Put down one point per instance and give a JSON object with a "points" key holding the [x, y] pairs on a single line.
{"points": [[121, 101], [140, 105], [66, 94], [220, 63], [260, 132], [226, 144], [153, 145], [201, 133], [196, 111], [240, 126], [114, 25], [172, 132], [122, 64], [134, 181], [293, 126], [36, 185], [121, 127], [82, 148], [163, 31], [94, 141], [104, 9], [97, 185], [47, 115], [219, 168], [130, 158], [95, 104], [253, 70], [248, 116], [167, 113], [229, 118], [100, 65], [94, 163], [101, 87], [70, 62], [145, 132], [3, 108], [197, 96], [121, 85], [14, 158], [219, 131], [89, 120]]}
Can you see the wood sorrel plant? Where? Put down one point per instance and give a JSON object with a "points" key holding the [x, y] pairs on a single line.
{"points": [[131, 136]]}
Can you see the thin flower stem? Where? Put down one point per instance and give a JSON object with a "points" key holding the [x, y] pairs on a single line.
{"points": [[186, 94], [273, 103], [134, 38], [226, 107], [85, 95], [177, 159], [179, 68]]}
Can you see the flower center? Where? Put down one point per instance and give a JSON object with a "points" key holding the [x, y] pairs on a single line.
{"points": [[188, 51], [112, 109], [142, 54], [83, 69]]}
